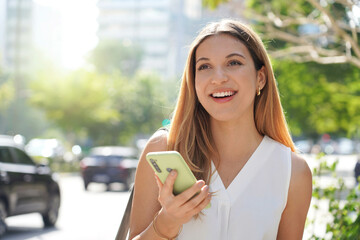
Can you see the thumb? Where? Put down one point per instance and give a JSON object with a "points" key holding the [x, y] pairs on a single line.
{"points": [[169, 182]]}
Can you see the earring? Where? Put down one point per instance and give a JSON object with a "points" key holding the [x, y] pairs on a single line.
{"points": [[258, 92]]}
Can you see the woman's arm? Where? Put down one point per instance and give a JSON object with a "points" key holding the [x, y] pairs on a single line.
{"points": [[145, 203], [299, 197], [151, 196]]}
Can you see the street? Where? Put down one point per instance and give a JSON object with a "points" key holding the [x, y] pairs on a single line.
{"points": [[84, 215], [96, 214]]}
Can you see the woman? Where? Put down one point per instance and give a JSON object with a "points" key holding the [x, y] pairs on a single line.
{"points": [[230, 128]]}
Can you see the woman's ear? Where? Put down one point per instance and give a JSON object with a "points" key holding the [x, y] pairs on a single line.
{"points": [[261, 77]]}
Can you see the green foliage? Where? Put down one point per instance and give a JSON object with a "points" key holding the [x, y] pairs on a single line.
{"points": [[212, 4], [319, 98], [343, 204], [7, 93], [16, 116], [112, 56], [281, 7], [73, 101], [143, 105], [109, 109]]}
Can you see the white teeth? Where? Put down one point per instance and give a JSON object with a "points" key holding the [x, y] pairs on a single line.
{"points": [[223, 94]]}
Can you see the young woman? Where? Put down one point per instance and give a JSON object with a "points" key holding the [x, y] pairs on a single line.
{"points": [[230, 128]]}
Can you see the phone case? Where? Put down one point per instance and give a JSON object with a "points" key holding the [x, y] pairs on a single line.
{"points": [[163, 162]]}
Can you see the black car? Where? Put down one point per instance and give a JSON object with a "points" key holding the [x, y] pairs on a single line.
{"points": [[25, 187], [109, 164]]}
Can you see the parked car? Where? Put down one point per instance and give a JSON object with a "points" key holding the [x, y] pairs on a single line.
{"points": [[109, 164], [25, 187]]}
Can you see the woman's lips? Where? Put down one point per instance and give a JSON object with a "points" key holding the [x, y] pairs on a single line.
{"points": [[223, 96]]}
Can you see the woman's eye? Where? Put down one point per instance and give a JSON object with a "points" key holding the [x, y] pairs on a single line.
{"points": [[202, 67], [234, 63]]}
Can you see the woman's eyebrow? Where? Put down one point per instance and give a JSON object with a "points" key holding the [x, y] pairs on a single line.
{"points": [[201, 59], [235, 54], [228, 56]]}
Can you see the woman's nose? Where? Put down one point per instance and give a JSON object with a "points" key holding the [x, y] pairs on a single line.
{"points": [[219, 76]]}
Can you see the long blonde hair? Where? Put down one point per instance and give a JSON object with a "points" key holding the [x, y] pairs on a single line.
{"points": [[190, 132]]}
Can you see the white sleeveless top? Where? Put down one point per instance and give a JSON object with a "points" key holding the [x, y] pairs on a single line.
{"points": [[251, 207]]}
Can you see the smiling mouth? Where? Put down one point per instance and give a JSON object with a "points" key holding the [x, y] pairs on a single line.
{"points": [[223, 94]]}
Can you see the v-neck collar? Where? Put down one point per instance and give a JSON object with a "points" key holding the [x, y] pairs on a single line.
{"points": [[243, 178]]}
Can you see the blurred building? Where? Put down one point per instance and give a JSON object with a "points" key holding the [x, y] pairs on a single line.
{"points": [[2, 30], [140, 22], [15, 34], [27, 29], [47, 36], [163, 28], [26, 37]]}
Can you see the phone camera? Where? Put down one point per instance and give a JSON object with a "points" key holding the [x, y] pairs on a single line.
{"points": [[153, 162]]}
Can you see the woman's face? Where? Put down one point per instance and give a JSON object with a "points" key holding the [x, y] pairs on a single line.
{"points": [[226, 80]]}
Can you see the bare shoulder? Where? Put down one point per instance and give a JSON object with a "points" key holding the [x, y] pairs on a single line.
{"points": [[300, 170], [301, 180], [157, 142]]}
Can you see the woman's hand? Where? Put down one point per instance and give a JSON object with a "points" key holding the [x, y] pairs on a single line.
{"points": [[177, 210]]}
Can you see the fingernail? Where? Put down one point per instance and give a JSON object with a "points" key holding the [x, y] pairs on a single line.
{"points": [[173, 173]]}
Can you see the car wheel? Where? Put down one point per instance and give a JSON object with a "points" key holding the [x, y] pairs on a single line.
{"points": [[3, 215], [51, 216]]}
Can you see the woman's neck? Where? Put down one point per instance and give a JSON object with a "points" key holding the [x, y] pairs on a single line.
{"points": [[235, 140]]}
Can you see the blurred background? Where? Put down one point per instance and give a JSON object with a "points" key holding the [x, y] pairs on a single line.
{"points": [[84, 83]]}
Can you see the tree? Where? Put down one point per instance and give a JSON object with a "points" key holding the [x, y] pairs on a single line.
{"points": [[75, 102], [325, 32], [16, 116], [111, 56], [319, 99], [6, 91], [143, 105], [107, 109]]}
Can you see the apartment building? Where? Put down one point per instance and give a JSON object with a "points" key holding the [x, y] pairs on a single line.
{"points": [[163, 28]]}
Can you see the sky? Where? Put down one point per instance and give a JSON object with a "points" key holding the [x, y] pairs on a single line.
{"points": [[79, 26]]}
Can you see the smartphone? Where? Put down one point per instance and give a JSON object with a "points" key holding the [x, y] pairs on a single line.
{"points": [[163, 162]]}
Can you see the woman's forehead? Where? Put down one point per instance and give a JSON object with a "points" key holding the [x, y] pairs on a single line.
{"points": [[220, 44]]}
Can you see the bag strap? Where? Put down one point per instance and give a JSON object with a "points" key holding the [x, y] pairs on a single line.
{"points": [[125, 222]]}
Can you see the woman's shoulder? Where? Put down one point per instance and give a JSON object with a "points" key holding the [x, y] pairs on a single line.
{"points": [[300, 170], [300, 189], [158, 141]]}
